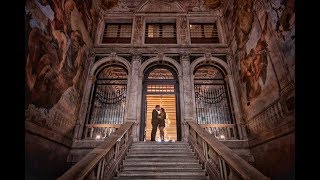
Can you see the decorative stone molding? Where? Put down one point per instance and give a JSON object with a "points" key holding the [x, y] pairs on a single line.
{"points": [[136, 56], [113, 55], [160, 56], [92, 78], [267, 119], [208, 56], [184, 56], [138, 32]]}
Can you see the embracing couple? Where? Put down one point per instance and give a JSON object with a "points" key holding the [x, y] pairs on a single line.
{"points": [[158, 119]]}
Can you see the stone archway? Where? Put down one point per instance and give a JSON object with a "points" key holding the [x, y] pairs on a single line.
{"points": [[146, 67]]}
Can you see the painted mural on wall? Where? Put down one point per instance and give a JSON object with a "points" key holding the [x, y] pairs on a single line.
{"points": [[256, 29], [253, 66], [243, 17], [259, 83], [282, 18], [58, 43]]}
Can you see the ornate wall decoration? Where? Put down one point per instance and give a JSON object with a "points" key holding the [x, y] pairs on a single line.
{"points": [[137, 38], [243, 17], [254, 66], [183, 29], [57, 49], [213, 4], [160, 6]]}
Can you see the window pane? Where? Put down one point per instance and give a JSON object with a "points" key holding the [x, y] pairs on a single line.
{"points": [[125, 30], [153, 30], [208, 31], [168, 31], [195, 30], [111, 30]]}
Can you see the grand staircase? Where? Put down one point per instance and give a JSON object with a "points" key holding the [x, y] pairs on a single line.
{"points": [[161, 160], [119, 157]]}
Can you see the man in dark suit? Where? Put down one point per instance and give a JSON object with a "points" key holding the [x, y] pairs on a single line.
{"points": [[155, 121]]}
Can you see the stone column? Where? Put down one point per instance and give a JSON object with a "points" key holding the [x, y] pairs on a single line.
{"points": [[85, 104], [236, 107], [133, 88], [187, 106]]}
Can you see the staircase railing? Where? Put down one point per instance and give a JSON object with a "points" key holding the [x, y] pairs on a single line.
{"points": [[99, 131], [221, 131], [220, 162], [103, 161]]}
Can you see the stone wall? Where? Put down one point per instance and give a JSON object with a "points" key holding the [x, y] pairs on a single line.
{"points": [[261, 35], [45, 153], [58, 44], [281, 157]]}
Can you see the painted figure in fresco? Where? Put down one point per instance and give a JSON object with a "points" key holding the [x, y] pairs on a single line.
{"points": [[243, 17], [254, 65], [88, 14], [77, 58], [69, 6], [44, 83], [286, 20]]}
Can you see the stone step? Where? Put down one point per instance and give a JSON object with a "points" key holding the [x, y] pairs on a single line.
{"points": [[161, 164], [163, 174], [184, 155], [161, 151], [164, 168], [153, 142], [164, 178], [155, 151], [160, 159], [161, 147], [162, 143]]}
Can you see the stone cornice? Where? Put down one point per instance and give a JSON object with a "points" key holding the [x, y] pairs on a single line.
{"points": [[166, 49]]}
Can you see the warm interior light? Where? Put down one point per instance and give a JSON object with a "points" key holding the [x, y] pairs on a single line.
{"points": [[98, 136], [222, 136]]}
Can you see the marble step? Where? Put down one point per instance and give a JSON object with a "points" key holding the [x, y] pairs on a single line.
{"points": [[160, 159], [163, 174], [163, 150], [161, 164], [164, 178], [164, 168]]}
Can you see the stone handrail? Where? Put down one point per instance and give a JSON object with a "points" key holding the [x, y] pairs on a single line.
{"points": [[99, 131], [221, 131], [103, 161], [220, 162]]}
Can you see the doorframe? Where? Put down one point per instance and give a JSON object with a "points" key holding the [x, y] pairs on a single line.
{"points": [[145, 82]]}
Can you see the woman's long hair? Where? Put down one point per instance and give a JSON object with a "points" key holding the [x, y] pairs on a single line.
{"points": [[162, 109]]}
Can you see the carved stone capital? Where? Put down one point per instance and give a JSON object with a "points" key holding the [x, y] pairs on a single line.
{"points": [[208, 56], [113, 55], [136, 56], [184, 56], [160, 55]]}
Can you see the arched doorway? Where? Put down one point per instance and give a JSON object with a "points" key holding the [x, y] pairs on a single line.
{"points": [[160, 87], [213, 103], [108, 100]]}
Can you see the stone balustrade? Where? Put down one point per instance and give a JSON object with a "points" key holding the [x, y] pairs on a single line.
{"points": [[103, 161], [99, 131], [219, 161], [221, 131]]}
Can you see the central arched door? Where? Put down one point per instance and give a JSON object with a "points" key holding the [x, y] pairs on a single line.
{"points": [[161, 87]]}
